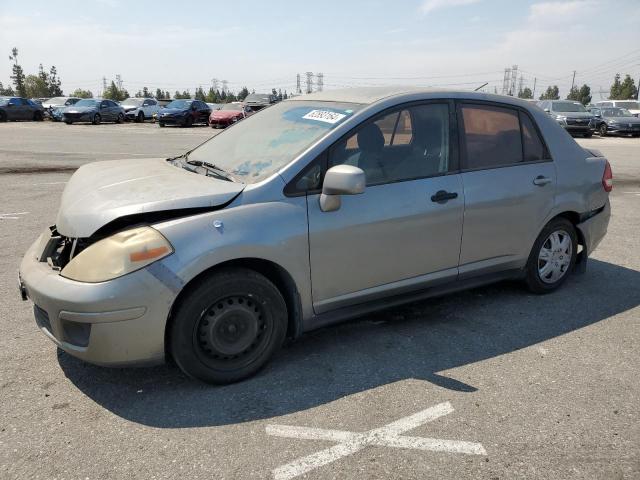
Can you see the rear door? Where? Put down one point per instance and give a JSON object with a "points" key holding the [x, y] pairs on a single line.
{"points": [[404, 231], [509, 186]]}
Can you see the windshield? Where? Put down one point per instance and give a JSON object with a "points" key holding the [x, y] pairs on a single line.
{"points": [[629, 105], [4, 101], [259, 146], [616, 112], [56, 100], [231, 106], [567, 107], [87, 102], [132, 101], [179, 104]]}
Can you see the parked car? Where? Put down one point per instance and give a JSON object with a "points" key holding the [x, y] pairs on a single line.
{"points": [[140, 109], [54, 107], [632, 105], [184, 112], [617, 121], [228, 114], [306, 214], [214, 106], [572, 116], [258, 101], [18, 108], [93, 110]]}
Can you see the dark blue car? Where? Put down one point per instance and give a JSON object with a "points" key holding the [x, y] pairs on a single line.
{"points": [[184, 113]]}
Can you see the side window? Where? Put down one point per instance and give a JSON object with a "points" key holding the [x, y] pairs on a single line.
{"points": [[309, 179], [146, 103], [14, 101], [491, 136], [402, 145], [534, 149], [104, 104]]}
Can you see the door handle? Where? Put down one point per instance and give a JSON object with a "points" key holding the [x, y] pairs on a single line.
{"points": [[541, 180], [442, 196]]}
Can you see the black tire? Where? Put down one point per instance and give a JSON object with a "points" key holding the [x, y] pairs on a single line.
{"points": [[120, 118], [239, 304], [534, 280], [96, 119], [188, 122], [603, 130], [3, 117], [160, 124], [588, 135], [140, 118], [68, 122], [37, 116]]}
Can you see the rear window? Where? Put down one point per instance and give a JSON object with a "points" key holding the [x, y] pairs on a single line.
{"points": [[491, 136]]}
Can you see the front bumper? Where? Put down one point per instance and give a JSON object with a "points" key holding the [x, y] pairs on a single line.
{"points": [[78, 117], [114, 323], [181, 120], [623, 129], [222, 122]]}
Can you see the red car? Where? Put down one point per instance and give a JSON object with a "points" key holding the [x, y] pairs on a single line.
{"points": [[229, 114]]}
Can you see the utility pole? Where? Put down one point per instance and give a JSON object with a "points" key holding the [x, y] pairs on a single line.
{"points": [[214, 83], [104, 85], [320, 82], [119, 81], [535, 79], [573, 81], [298, 89], [309, 82]]}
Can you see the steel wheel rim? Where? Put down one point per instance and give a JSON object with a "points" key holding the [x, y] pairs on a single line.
{"points": [[554, 257], [232, 332]]}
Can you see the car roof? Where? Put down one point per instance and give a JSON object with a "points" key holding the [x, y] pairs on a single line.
{"points": [[370, 95]]}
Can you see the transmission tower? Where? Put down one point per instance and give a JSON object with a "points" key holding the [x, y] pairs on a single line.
{"points": [[520, 82], [214, 83], [320, 84], [309, 81], [225, 86], [298, 89], [514, 80], [104, 85], [505, 81], [119, 81]]}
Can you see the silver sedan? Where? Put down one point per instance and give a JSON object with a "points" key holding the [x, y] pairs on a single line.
{"points": [[316, 209]]}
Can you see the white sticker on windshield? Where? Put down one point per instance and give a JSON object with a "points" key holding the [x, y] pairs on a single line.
{"points": [[324, 116]]}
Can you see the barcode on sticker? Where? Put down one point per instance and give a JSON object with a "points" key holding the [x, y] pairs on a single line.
{"points": [[324, 116]]}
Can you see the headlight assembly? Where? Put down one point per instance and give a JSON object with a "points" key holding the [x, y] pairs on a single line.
{"points": [[117, 255]]}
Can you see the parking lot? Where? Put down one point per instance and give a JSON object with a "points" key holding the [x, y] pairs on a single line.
{"points": [[491, 383]]}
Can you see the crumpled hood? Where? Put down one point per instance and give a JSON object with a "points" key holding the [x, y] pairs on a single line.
{"points": [[224, 114], [101, 192]]}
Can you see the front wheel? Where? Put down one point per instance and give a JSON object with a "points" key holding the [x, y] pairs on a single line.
{"points": [[228, 326], [140, 118], [96, 119], [603, 130], [38, 117], [161, 124], [120, 118], [188, 122], [552, 257], [588, 135], [68, 122]]}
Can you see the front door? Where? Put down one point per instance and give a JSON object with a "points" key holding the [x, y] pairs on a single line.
{"points": [[509, 187], [404, 231]]}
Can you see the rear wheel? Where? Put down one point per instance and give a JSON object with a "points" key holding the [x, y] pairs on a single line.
{"points": [[588, 135], [38, 117], [188, 122], [160, 124], [3, 117], [140, 117], [96, 119], [68, 122], [603, 130], [228, 326], [120, 118], [552, 257]]}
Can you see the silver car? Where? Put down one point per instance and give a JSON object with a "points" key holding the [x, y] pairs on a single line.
{"points": [[316, 209]]}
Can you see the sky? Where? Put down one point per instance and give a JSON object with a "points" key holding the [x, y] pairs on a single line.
{"points": [[263, 45]]}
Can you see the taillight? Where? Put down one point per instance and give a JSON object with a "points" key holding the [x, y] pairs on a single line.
{"points": [[607, 178]]}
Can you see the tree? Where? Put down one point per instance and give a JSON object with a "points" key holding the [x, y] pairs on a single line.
{"points": [[584, 94], [35, 86], [552, 93], [82, 93], [628, 89], [6, 91], [614, 91], [18, 76], [54, 83], [211, 96], [200, 94], [114, 93], [243, 94], [285, 96], [525, 93]]}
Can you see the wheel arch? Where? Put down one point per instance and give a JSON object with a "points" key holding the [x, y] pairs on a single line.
{"points": [[275, 273], [574, 218]]}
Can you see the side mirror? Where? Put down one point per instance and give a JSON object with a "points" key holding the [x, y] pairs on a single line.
{"points": [[547, 110], [340, 180]]}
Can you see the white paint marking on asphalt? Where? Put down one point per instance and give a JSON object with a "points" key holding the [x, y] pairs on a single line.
{"points": [[49, 183], [12, 216], [352, 442]]}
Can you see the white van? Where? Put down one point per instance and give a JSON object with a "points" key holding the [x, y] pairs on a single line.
{"points": [[632, 105]]}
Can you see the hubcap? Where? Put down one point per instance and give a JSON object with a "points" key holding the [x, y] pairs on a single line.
{"points": [[231, 328], [554, 257]]}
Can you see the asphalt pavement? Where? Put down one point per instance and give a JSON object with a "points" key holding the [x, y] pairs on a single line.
{"points": [[492, 383]]}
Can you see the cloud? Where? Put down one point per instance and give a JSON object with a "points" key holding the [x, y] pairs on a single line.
{"points": [[429, 6]]}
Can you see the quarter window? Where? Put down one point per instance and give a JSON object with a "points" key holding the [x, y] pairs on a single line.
{"points": [[405, 144], [534, 149], [491, 136]]}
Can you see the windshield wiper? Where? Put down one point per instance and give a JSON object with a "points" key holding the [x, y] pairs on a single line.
{"points": [[210, 167]]}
